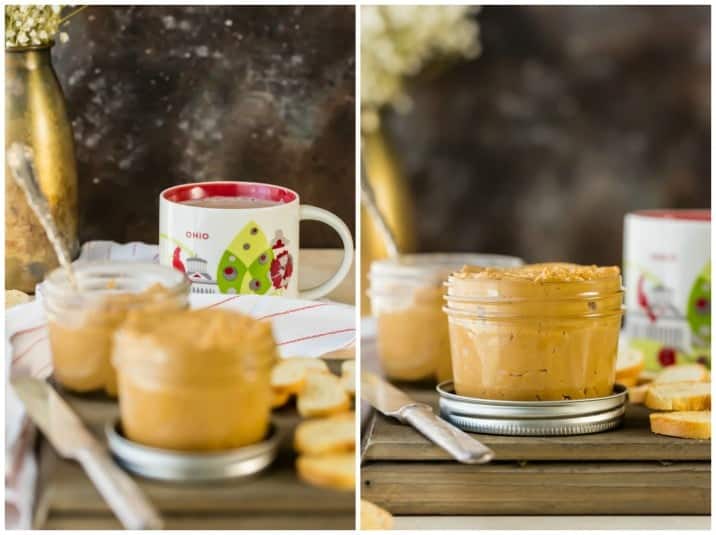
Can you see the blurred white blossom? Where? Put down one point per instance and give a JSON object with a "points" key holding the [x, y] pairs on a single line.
{"points": [[32, 25], [396, 41]]}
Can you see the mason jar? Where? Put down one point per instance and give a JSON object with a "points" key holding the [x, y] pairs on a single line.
{"points": [[406, 297], [82, 321], [196, 380], [541, 332]]}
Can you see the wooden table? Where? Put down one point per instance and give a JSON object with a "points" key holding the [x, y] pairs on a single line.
{"points": [[275, 499], [628, 471]]}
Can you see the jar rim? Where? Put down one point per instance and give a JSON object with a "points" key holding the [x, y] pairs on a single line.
{"points": [[112, 277]]}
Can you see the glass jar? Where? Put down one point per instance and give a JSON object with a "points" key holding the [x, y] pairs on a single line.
{"points": [[407, 299], [195, 380], [82, 323], [540, 332]]}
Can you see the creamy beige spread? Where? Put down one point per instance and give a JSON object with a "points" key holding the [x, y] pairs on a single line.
{"points": [[194, 380], [537, 332], [413, 340], [81, 339]]}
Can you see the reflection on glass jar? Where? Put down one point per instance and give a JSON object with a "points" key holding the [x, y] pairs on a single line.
{"points": [[407, 300], [82, 323], [195, 380], [540, 332]]}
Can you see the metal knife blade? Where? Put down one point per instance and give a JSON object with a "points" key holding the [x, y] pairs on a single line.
{"points": [[382, 395], [58, 422], [393, 402], [68, 435]]}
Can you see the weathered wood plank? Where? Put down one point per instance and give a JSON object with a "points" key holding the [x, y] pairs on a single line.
{"points": [[613, 488]]}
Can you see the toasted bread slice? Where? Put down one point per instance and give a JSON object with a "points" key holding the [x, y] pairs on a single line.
{"points": [[637, 393], [280, 398], [334, 470], [348, 376], [323, 395], [684, 424], [15, 297], [334, 434], [289, 375], [374, 517], [681, 396], [683, 372], [630, 363]]}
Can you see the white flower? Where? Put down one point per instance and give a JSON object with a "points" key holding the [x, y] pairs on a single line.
{"points": [[30, 24], [397, 41]]}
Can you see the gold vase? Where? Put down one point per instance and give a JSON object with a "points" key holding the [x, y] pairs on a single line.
{"points": [[35, 115], [393, 199]]}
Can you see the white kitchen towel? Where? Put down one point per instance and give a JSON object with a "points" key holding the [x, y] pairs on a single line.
{"points": [[301, 328]]}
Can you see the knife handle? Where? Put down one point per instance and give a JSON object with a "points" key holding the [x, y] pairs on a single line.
{"points": [[119, 491], [457, 443]]}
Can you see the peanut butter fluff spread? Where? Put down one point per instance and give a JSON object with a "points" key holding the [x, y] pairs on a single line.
{"points": [[536, 332], [81, 339], [194, 380]]}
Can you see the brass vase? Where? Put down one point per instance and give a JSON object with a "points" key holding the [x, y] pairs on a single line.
{"points": [[393, 199], [35, 115]]}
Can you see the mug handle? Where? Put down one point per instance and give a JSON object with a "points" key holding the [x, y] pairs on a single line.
{"points": [[313, 213]]}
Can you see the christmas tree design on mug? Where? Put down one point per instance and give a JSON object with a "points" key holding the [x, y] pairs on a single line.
{"points": [[250, 265]]}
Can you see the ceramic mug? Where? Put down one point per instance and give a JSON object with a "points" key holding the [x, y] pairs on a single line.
{"points": [[241, 238], [667, 276]]}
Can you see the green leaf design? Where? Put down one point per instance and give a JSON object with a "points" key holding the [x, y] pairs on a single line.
{"points": [[230, 273], [249, 248]]}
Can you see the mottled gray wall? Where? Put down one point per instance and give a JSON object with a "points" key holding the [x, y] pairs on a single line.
{"points": [[571, 117], [162, 95]]}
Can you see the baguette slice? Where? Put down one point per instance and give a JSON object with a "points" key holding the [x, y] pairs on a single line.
{"points": [[637, 393], [374, 517], [683, 372], [335, 434], [334, 470], [289, 375], [323, 395], [348, 376], [15, 297], [280, 398], [630, 363], [683, 424], [681, 396]]}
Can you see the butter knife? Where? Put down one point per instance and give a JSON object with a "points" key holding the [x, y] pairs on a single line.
{"points": [[67, 434], [393, 402]]}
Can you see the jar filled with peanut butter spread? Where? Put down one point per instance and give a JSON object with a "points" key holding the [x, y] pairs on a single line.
{"points": [[407, 300], [82, 321], [195, 380], [538, 332]]}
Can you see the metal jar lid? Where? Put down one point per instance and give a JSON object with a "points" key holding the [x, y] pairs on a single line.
{"points": [[169, 465], [532, 418]]}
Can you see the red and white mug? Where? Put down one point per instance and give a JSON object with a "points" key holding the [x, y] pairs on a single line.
{"points": [[242, 238]]}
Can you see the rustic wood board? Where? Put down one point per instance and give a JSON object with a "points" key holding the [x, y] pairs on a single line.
{"points": [[386, 439], [629, 471], [273, 499]]}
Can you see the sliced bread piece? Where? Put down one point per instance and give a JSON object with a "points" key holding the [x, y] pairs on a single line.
{"points": [[684, 424], [683, 372], [681, 396], [637, 393], [630, 363], [334, 470], [322, 395], [289, 375], [374, 517], [334, 434], [348, 376], [15, 297], [280, 398]]}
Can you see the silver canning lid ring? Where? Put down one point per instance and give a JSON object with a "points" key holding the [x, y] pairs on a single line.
{"points": [[168, 465], [549, 418]]}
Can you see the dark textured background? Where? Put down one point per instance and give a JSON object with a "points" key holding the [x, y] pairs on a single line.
{"points": [[164, 95], [571, 117]]}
